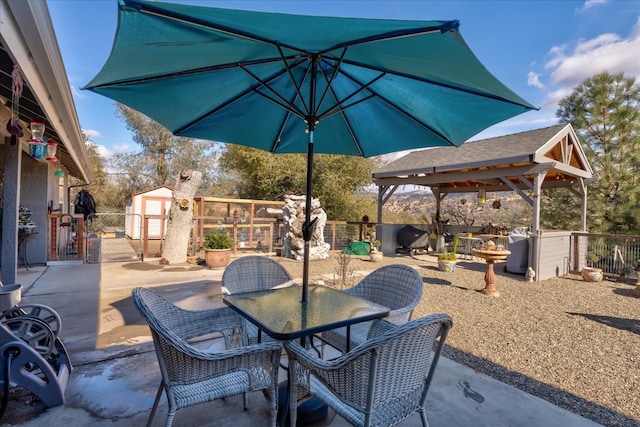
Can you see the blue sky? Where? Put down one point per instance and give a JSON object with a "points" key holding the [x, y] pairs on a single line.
{"points": [[540, 49]]}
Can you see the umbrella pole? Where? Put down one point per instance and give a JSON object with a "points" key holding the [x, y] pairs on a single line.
{"points": [[308, 226]]}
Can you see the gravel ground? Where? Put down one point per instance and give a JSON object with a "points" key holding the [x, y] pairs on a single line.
{"points": [[573, 343]]}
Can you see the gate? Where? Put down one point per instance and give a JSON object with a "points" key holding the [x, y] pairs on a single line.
{"points": [[107, 241], [65, 241]]}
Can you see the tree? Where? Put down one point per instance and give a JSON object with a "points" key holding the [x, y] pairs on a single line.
{"points": [[174, 250], [604, 110], [101, 190], [265, 176], [163, 155]]}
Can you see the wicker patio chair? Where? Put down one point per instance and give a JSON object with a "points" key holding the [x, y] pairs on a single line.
{"points": [[190, 375], [254, 273], [396, 286], [379, 383]]}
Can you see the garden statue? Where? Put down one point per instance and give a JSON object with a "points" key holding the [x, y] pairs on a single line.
{"points": [[293, 214]]}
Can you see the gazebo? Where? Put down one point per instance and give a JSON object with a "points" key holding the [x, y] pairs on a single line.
{"points": [[526, 163]]}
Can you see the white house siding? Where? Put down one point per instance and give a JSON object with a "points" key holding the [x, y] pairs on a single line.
{"points": [[152, 202]]}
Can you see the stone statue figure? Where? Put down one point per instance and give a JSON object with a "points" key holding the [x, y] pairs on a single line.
{"points": [[293, 214]]}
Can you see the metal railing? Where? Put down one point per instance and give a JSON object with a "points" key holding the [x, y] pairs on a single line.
{"points": [[615, 254]]}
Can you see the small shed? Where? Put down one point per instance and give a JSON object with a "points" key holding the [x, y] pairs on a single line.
{"points": [[526, 163], [156, 201]]}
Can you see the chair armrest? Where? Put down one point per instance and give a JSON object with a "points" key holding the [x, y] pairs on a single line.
{"points": [[313, 363], [190, 323], [242, 353], [379, 327], [187, 363], [347, 375]]}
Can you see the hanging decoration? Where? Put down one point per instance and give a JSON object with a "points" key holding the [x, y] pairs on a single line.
{"points": [[37, 129], [482, 196], [37, 149], [52, 148], [59, 173], [496, 204], [13, 126], [184, 204]]}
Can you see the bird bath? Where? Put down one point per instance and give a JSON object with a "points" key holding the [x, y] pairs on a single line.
{"points": [[491, 256]]}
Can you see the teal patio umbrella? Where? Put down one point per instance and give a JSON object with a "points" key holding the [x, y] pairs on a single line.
{"points": [[301, 84]]}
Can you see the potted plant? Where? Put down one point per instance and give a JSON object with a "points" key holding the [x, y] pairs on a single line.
{"points": [[591, 273], [374, 254], [217, 248], [447, 260]]}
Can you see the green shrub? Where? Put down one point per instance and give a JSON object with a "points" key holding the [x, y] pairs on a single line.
{"points": [[218, 239]]}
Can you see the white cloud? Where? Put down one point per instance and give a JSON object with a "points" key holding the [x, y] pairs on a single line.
{"points": [[107, 153], [533, 79], [77, 94], [121, 147], [104, 152], [91, 133], [590, 4], [569, 64], [607, 52]]}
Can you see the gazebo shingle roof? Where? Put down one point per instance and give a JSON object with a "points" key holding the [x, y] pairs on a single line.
{"points": [[551, 155], [502, 149]]}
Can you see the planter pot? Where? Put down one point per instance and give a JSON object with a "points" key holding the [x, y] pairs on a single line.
{"points": [[376, 256], [447, 266], [592, 274], [217, 258]]}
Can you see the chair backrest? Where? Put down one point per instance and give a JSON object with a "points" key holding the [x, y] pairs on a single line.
{"points": [[254, 273], [397, 368], [396, 286]]}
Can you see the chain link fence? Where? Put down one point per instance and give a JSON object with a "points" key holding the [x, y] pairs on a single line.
{"points": [[109, 238]]}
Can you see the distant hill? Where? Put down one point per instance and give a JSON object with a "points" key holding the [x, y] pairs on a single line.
{"points": [[462, 209]]}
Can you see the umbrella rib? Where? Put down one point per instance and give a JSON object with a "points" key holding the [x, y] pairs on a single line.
{"points": [[330, 81], [401, 111], [435, 83], [189, 72], [157, 11], [339, 105], [151, 10], [332, 111], [410, 32], [283, 102], [293, 80], [278, 138], [349, 127]]}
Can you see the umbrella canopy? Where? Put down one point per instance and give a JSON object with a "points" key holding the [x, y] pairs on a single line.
{"points": [[267, 81]]}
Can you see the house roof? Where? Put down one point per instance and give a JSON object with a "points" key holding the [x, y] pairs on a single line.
{"points": [[492, 163], [27, 38], [149, 190]]}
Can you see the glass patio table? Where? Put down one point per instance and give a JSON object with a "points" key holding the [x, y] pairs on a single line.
{"points": [[281, 314]]}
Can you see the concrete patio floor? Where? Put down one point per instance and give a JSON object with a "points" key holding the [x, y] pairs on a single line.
{"points": [[115, 375]]}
